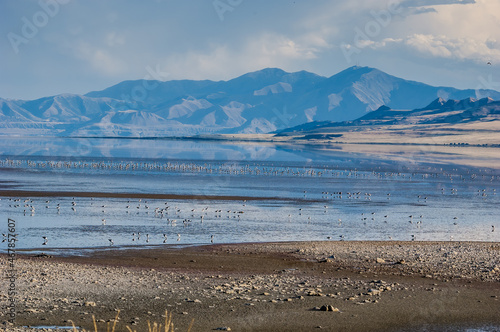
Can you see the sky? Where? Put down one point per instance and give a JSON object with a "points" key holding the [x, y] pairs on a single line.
{"points": [[49, 47]]}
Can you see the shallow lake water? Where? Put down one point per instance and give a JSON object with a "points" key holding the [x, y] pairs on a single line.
{"points": [[302, 194]]}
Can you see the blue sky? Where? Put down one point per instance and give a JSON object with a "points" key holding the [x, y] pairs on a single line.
{"points": [[49, 47]]}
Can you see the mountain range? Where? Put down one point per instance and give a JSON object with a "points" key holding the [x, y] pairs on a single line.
{"points": [[264, 101], [439, 112], [443, 122]]}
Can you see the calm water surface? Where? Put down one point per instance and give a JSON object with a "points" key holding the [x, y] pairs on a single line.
{"points": [[305, 194]]}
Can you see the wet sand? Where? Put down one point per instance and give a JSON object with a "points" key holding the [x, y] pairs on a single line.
{"points": [[369, 286], [26, 193]]}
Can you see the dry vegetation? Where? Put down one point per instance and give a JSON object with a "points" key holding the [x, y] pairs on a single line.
{"points": [[168, 326]]}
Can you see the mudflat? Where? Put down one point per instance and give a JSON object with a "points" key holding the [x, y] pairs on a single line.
{"points": [[296, 286]]}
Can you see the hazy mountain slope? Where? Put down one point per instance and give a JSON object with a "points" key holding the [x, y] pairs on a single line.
{"points": [[257, 102], [440, 111]]}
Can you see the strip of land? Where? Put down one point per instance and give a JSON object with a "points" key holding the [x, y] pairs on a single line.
{"points": [[296, 286], [27, 193]]}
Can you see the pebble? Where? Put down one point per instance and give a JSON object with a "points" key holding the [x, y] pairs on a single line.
{"points": [[465, 261], [328, 307]]}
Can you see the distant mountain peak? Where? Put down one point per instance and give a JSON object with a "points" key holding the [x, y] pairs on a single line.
{"points": [[266, 72], [468, 102], [354, 69], [436, 103], [383, 108], [358, 67]]}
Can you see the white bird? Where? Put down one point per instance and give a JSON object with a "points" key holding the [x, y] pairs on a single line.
{"points": [[45, 240], [111, 242], [212, 238]]}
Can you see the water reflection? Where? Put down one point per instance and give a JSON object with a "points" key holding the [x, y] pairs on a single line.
{"points": [[304, 193]]}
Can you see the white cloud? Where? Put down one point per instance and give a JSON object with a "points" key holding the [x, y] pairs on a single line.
{"points": [[431, 45], [276, 46], [455, 48], [227, 61], [100, 59], [114, 39], [462, 49]]}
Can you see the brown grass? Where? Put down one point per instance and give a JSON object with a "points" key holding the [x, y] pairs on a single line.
{"points": [[155, 327]]}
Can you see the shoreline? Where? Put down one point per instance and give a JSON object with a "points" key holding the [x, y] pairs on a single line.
{"points": [[376, 286], [94, 194], [175, 246]]}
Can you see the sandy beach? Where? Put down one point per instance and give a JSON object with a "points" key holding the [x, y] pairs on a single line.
{"points": [[296, 286]]}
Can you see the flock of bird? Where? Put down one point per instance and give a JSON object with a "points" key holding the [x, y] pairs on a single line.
{"points": [[235, 168], [172, 214]]}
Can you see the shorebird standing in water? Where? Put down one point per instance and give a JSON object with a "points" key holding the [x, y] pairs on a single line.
{"points": [[45, 240], [111, 242], [212, 239]]}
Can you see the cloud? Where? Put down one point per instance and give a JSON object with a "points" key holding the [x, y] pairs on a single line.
{"points": [[417, 7], [223, 61], [114, 39], [378, 44], [430, 46], [459, 49], [425, 3], [187, 39], [100, 59]]}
